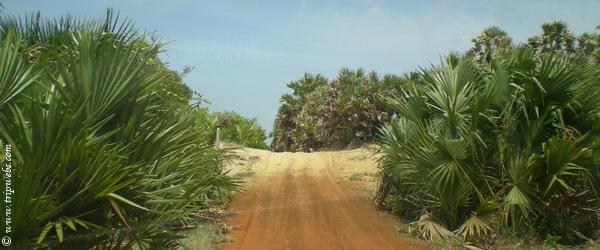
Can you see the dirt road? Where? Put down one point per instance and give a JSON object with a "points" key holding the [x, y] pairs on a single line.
{"points": [[305, 201]]}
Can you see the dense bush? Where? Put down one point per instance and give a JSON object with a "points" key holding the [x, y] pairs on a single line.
{"points": [[107, 152], [239, 130], [322, 113], [503, 140]]}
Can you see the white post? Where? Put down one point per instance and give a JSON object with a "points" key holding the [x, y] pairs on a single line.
{"points": [[218, 139]]}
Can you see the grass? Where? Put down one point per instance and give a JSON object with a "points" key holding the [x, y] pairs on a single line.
{"points": [[356, 177], [203, 237], [366, 176], [360, 158], [247, 173], [404, 230]]}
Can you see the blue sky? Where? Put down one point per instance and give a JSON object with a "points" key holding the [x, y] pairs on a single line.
{"points": [[245, 52]]}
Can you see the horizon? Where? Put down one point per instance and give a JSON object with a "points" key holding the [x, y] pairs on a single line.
{"points": [[243, 60]]}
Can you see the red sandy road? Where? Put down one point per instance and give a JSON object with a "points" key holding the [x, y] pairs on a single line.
{"points": [[305, 207]]}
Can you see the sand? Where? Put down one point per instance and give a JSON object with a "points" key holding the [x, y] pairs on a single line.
{"points": [[309, 201]]}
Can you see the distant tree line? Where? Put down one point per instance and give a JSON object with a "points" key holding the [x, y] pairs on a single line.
{"points": [[347, 110]]}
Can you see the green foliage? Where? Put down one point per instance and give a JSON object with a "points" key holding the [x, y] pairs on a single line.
{"points": [[484, 147], [203, 237], [589, 44], [555, 37], [332, 114], [286, 127], [239, 130], [107, 152], [489, 41]]}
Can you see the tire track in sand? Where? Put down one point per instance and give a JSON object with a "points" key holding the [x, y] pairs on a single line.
{"points": [[296, 202]]}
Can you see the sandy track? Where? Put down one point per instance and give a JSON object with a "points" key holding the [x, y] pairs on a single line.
{"points": [[299, 201]]}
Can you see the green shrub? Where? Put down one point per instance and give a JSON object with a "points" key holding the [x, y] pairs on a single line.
{"points": [[106, 151], [239, 130], [332, 114], [510, 144]]}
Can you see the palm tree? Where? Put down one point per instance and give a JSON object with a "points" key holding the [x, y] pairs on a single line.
{"points": [[509, 144], [588, 44], [489, 41], [105, 159], [285, 123], [342, 112], [555, 36]]}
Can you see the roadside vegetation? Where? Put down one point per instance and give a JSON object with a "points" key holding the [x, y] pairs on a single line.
{"points": [[111, 150], [333, 114], [238, 129], [499, 142], [107, 152]]}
